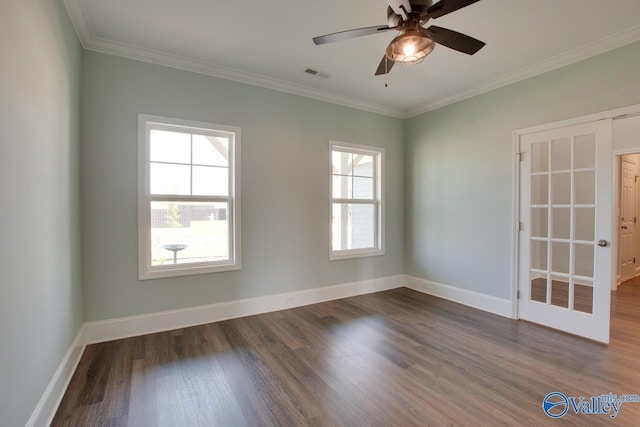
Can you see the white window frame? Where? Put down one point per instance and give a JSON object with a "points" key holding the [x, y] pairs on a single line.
{"points": [[145, 270], [377, 201]]}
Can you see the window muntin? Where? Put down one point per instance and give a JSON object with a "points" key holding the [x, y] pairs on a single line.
{"points": [[189, 198], [356, 202]]}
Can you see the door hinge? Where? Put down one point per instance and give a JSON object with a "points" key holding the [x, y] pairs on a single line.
{"points": [[518, 295], [635, 178], [635, 219], [634, 260], [519, 157], [520, 226]]}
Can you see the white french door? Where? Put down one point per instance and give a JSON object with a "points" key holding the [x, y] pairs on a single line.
{"points": [[565, 255]]}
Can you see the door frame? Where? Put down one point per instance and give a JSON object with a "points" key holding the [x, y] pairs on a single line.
{"points": [[618, 113]]}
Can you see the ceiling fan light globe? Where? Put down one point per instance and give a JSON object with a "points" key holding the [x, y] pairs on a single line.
{"points": [[410, 47]]}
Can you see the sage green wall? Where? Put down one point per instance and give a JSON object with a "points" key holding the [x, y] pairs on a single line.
{"points": [[40, 289], [285, 186], [458, 163]]}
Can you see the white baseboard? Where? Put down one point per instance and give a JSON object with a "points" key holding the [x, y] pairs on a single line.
{"points": [[48, 405], [124, 327], [495, 305]]}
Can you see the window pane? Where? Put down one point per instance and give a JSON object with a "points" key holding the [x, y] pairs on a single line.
{"points": [[341, 163], [165, 146], [170, 179], [210, 181], [363, 188], [363, 165], [362, 226], [342, 187], [210, 150], [353, 226], [189, 232]]}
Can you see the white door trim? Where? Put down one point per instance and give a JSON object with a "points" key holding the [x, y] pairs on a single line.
{"points": [[515, 179]]}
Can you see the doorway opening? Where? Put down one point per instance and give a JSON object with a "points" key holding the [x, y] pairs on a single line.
{"points": [[628, 210]]}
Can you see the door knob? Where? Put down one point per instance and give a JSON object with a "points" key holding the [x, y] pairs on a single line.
{"points": [[602, 243]]}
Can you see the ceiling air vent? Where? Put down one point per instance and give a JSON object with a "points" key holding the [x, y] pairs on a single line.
{"points": [[317, 73]]}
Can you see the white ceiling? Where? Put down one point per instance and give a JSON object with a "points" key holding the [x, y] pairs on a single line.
{"points": [[268, 43]]}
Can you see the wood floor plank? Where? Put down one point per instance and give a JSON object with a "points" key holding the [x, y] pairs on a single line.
{"points": [[393, 358]]}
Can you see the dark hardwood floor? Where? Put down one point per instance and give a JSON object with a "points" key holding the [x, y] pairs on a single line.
{"points": [[397, 358]]}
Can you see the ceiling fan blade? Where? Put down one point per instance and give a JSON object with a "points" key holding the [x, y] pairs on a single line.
{"points": [[455, 40], [444, 7], [385, 66], [350, 34]]}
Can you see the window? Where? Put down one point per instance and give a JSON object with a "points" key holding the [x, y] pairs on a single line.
{"points": [[189, 197], [356, 201]]}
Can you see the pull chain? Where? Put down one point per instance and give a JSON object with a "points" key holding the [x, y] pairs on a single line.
{"points": [[386, 71]]}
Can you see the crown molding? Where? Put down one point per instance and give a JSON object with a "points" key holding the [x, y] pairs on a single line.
{"points": [[89, 41], [78, 15], [586, 51], [200, 67]]}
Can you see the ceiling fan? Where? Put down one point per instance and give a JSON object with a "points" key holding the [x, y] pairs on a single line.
{"points": [[414, 42]]}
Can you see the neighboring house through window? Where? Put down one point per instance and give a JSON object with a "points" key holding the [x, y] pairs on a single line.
{"points": [[189, 197], [357, 223]]}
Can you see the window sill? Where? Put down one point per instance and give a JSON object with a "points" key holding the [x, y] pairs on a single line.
{"points": [[358, 253], [159, 273]]}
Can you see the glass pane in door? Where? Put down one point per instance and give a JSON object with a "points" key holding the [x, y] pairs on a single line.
{"points": [[583, 260], [561, 188], [540, 189], [562, 217], [560, 257], [540, 157], [583, 297], [560, 291], [539, 222], [539, 255], [585, 154], [584, 223], [561, 154], [538, 288]]}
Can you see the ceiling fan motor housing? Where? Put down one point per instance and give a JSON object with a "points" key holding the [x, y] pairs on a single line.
{"points": [[393, 19], [418, 10]]}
